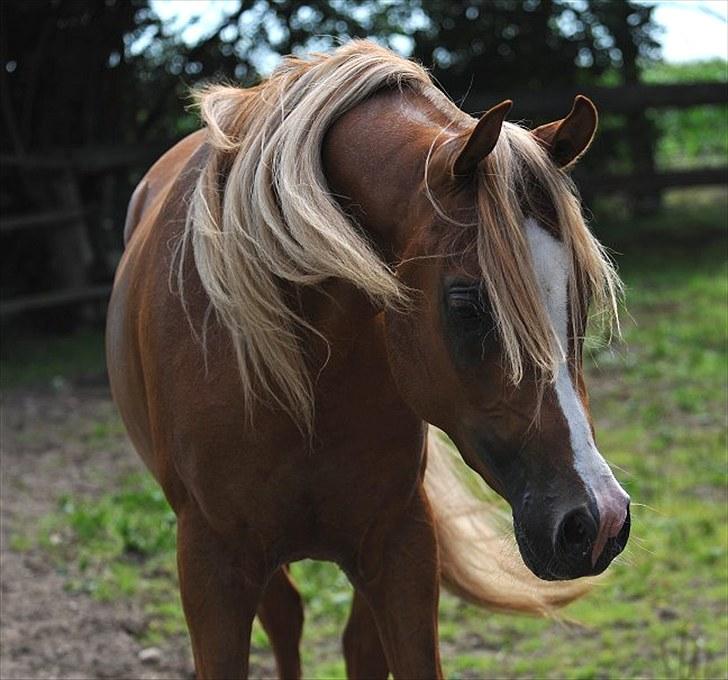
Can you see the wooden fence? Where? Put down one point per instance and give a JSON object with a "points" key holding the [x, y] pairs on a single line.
{"points": [[66, 215], [628, 100], [72, 216]]}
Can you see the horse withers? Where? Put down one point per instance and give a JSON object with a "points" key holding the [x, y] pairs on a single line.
{"points": [[340, 258]]}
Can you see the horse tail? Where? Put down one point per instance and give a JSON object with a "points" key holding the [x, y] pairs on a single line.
{"points": [[477, 560]]}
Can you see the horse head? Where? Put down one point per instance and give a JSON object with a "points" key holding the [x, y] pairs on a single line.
{"points": [[486, 233]]}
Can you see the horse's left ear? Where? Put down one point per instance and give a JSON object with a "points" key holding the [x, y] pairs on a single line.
{"points": [[482, 140], [569, 138]]}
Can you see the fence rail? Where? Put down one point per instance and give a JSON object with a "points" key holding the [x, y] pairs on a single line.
{"points": [[621, 99], [528, 104], [48, 218], [91, 160], [27, 303], [643, 183]]}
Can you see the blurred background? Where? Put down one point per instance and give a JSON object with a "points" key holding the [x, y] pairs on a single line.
{"points": [[93, 91]]}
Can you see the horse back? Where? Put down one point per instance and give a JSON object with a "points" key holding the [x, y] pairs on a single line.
{"points": [[158, 179]]}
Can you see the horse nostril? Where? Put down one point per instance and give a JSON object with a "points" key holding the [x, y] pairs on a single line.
{"points": [[577, 533], [621, 539]]}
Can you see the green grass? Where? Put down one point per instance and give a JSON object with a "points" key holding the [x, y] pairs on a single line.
{"points": [[121, 544], [660, 401]]}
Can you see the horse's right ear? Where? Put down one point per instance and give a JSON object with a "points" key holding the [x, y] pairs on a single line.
{"points": [[482, 140], [568, 139]]}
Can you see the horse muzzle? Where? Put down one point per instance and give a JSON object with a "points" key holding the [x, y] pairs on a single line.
{"points": [[581, 541]]}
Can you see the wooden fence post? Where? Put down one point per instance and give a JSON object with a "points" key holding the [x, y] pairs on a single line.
{"points": [[70, 246]]}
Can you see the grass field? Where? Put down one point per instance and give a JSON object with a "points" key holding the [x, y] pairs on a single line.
{"points": [[660, 403]]}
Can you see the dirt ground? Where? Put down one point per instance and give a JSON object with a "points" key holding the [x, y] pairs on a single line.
{"points": [[45, 630]]}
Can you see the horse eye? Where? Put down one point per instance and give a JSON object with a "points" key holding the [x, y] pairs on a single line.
{"points": [[467, 303]]}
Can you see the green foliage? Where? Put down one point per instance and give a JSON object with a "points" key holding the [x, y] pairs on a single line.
{"points": [[696, 137], [714, 70], [117, 75], [693, 137], [142, 68]]}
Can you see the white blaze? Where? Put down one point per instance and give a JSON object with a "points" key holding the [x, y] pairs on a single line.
{"points": [[551, 263]]}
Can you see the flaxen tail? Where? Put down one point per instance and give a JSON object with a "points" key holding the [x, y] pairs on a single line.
{"points": [[478, 560]]}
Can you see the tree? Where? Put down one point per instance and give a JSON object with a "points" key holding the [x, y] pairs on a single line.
{"points": [[92, 74]]}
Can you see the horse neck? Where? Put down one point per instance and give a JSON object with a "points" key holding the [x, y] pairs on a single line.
{"points": [[374, 161]]}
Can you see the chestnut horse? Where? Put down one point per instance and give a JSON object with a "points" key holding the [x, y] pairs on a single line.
{"points": [[339, 258]]}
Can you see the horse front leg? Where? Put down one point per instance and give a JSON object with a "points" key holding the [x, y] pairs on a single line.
{"points": [[363, 650], [281, 614], [403, 592], [220, 584]]}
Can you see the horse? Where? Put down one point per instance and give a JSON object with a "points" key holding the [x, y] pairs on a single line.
{"points": [[339, 262]]}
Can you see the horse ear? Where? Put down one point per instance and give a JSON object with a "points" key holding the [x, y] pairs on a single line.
{"points": [[569, 138], [482, 140]]}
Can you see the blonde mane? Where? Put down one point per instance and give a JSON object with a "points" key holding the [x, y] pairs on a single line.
{"points": [[275, 222], [516, 170]]}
